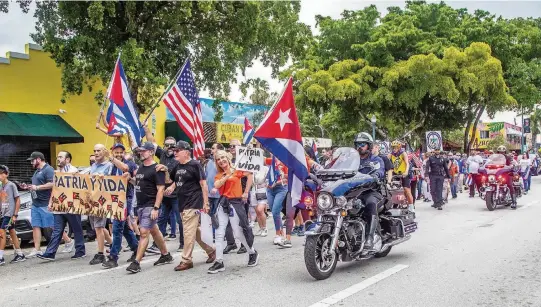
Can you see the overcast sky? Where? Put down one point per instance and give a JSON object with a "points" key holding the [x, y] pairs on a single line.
{"points": [[15, 29]]}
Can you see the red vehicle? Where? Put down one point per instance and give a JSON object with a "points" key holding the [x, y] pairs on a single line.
{"points": [[497, 181]]}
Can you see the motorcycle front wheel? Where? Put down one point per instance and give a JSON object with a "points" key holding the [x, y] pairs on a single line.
{"points": [[489, 200], [319, 262]]}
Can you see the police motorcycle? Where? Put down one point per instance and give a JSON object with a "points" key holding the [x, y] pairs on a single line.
{"points": [[340, 232]]}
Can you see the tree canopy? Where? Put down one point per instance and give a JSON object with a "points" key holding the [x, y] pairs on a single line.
{"points": [[156, 37]]}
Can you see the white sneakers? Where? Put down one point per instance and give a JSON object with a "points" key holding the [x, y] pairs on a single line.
{"points": [[262, 233], [277, 240], [34, 253], [68, 247]]}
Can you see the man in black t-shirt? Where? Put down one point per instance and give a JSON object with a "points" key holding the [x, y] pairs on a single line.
{"points": [[192, 192], [149, 188], [169, 202]]}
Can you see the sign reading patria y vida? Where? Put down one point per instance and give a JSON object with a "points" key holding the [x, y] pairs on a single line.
{"points": [[249, 159], [103, 197]]}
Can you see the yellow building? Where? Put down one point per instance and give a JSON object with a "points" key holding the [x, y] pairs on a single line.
{"points": [[32, 116]]}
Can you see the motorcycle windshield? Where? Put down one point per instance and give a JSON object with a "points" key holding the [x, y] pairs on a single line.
{"points": [[496, 160], [344, 159]]}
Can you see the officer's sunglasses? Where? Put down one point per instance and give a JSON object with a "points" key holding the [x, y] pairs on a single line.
{"points": [[361, 144]]}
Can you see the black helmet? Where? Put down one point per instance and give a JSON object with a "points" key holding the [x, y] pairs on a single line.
{"points": [[363, 137]]}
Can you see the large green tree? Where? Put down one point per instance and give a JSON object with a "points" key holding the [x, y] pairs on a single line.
{"points": [[156, 37]]}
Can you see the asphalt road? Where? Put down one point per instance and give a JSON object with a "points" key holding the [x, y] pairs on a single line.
{"points": [[461, 256]]}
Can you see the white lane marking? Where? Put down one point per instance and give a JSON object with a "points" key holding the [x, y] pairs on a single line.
{"points": [[66, 278], [337, 297]]}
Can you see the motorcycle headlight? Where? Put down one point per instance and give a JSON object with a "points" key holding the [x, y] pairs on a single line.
{"points": [[491, 178], [341, 201], [325, 201]]}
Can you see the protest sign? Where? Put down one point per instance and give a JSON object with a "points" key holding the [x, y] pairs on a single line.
{"points": [[249, 159], [90, 195]]}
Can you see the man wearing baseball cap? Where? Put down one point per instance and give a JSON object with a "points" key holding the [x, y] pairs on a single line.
{"points": [[149, 189], [120, 228], [41, 188]]}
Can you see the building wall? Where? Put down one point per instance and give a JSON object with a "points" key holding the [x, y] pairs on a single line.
{"points": [[33, 85], [487, 131]]}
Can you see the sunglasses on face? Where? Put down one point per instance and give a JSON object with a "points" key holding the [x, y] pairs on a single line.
{"points": [[361, 144], [169, 145]]}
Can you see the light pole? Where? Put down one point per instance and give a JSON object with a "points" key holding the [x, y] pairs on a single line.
{"points": [[373, 120]]}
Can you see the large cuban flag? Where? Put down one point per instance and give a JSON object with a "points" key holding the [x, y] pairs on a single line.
{"points": [[247, 132], [280, 133], [122, 116]]}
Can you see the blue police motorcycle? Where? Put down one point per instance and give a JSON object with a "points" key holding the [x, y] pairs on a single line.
{"points": [[340, 231]]}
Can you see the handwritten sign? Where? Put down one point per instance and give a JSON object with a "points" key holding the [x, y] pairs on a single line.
{"points": [[249, 159], [90, 195]]}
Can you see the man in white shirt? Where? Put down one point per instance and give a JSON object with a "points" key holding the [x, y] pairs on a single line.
{"points": [[474, 162], [60, 220]]}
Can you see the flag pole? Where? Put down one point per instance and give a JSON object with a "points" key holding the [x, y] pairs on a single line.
{"points": [[164, 92]]}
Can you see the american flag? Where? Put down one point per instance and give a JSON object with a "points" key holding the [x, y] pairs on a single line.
{"points": [[182, 100]]}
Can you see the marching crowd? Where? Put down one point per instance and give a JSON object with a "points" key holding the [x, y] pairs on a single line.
{"points": [[179, 189]]}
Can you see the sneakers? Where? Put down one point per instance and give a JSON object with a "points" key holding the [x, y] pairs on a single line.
{"points": [[229, 248], [300, 231], [45, 257], [295, 231], [34, 253], [252, 260], [153, 249], [78, 256], [180, 247], [98, 258], [171, 237], [252, 224], [285, 243], [183, 266], [211, 258], [2, 261], [18, 258], [262, 233], [242, 250], [216, 267], [164, 259], [277, 240], [68, 247], [134, 267], [132, 258], [110, 263]]}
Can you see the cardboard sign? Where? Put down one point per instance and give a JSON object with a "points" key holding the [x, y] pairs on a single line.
{"points": [[249, 159], [90, 195]]}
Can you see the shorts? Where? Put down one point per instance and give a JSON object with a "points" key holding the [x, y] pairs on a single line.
{"points": [[406, 182], [145, 221], [258, 199], [41, 217], [97, 222], [5, 223]]}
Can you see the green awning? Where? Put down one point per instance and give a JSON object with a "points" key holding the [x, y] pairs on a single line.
{"points": [[52, 128]]}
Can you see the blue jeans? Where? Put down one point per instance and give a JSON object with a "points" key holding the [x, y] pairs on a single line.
{"points": [[275, 198], [60, 220], [121, 228], [527, 181], [454, 186], [420, 188], [170, 205]]}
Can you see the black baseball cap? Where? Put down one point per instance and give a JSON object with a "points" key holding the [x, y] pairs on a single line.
{"points": [[146, 146], [182, 145], [118, 145], [4, 169], [35, 155]]}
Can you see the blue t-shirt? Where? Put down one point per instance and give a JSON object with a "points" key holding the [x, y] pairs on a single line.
{"points": [[132, 169], [41, 177], [101, 169]]}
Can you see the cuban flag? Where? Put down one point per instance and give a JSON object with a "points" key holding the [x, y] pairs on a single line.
{"points": [[272, 175], [121, 114], [247, 132], [280, 134], [469, 181]]}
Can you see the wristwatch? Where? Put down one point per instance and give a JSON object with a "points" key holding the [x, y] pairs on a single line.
{"points": [[156, 208]]}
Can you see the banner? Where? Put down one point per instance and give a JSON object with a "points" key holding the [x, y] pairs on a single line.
{"points": [[227, 132], [526, 125], [249, 159], [320, 142], [90, 195], [433, 141], [384, 147]]}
